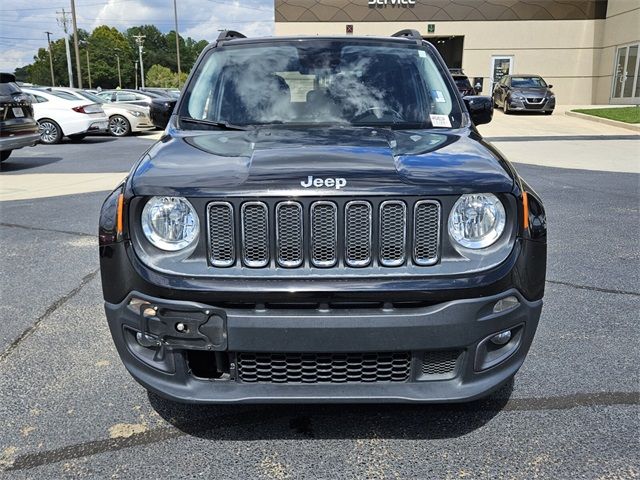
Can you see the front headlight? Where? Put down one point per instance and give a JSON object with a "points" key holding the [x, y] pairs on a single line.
{"points": [[477, 220], [517, 96], [135, 113], [170, 223]]}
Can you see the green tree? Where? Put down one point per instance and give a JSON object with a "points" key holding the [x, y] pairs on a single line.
{"points": [[159, 76], [103, 45]]}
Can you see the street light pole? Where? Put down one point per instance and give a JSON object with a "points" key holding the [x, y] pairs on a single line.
{"points": [[88, 67], [53, 82], [140, 42], [136, 70], [175, 16], [75, 42], [64, 22], [119, 76]]}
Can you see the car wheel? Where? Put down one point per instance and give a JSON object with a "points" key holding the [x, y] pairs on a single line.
{"points": [[50, 131], [505, 106], [548, 113], [119, 126], [4, 155], [77, 136]]}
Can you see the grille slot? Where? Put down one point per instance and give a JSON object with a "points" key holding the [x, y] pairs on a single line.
{"points": [[255, 234], [289, 234], [426, 232], [440, 363], [358, 233], [221, 236], [393, 233], [324, 234], [323, 367]]}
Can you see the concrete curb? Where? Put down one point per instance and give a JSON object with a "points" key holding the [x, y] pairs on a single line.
{"points": [[629, 126]]}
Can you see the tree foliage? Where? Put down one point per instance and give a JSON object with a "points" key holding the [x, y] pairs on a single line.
{"points": [[104, 45]]}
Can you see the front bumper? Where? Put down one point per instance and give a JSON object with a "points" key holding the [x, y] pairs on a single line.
{"points": [[546, 105], [462, 326], [142, 124]]}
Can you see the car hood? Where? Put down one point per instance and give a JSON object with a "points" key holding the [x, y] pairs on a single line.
{"points": [[278, 161]]}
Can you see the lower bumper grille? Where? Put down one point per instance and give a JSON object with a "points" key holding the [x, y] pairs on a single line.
{"points": [[323, 367]]}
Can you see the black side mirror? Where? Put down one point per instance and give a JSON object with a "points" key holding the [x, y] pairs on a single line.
{"points": [[549, 86], [480, 108]]}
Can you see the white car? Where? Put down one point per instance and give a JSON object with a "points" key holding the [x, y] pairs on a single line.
{"points": [[59, 116], [124, 119]]}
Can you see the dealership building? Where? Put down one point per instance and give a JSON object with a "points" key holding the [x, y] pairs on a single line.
{"points": [[587, 49]]}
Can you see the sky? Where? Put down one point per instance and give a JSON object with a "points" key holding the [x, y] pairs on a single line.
{"points": [[23, 22]]}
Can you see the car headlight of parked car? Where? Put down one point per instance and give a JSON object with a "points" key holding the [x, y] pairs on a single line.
{"points": [[135, 113], [517, 96], [477, 220], [170, 223]]}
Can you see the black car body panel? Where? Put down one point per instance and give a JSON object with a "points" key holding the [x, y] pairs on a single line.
{"points": [[373, 161], [198, 332], [18, 128]]}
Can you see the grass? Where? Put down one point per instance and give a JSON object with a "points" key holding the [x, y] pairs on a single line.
{"points": [[622, 114]]}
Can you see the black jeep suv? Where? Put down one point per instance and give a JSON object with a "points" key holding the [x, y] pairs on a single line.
{"points": [[323, 222], [18, 128]]}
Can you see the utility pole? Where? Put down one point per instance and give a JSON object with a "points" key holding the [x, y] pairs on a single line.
{"points": [[140, 42], [136, 70], [175, 16], [119, 76], [88, 66], [53, 82], [64, 23], [75, 42]]}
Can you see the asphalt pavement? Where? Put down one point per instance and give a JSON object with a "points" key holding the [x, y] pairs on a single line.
{"points": [[69, 409]]}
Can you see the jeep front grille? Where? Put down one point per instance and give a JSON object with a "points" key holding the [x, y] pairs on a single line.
{"points": [[323, 234], [323, 367]]}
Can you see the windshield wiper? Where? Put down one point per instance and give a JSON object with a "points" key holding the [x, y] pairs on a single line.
{"points": [[210, 123]]}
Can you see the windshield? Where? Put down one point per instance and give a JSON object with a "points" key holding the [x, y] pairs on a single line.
{"points": [[91, 96], [321, 82], [527, 82]]}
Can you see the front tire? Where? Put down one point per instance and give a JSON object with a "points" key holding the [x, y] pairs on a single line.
{"points": [[548, 113], [119, 126], [505, 106], [4, 155], [50, 131]]}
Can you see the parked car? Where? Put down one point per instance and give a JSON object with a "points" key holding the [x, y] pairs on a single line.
{"points": [[18, 128], [124, 119], [524, 93], [160, 111], [354, 242], [61, 114], [170, 92], [462, 83], [135, 97]]}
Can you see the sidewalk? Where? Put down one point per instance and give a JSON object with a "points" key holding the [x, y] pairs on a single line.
{"points": [[558, 124]]}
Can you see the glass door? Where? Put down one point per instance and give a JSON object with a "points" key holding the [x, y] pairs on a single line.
{"points": [[500, 66], [626, 85]]}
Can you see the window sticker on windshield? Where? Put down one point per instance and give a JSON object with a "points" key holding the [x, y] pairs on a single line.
{"points": [[438, 96], [440, 120], [422, 53]]}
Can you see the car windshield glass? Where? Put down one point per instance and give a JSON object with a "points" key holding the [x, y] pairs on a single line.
{"points": [[64, 95], [322, 82], [525, 82], [462, 82], [9, 88], [92, 96]]}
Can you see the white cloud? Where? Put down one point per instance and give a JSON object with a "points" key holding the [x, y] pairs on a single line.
{"points": [[23, 23]]}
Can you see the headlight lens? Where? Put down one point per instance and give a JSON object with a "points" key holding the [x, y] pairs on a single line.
{"points": [[477, 220], [170, 223], [135, 113]]}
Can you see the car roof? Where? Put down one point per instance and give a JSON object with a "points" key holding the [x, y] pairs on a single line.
{"points": [[524, 75]]}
